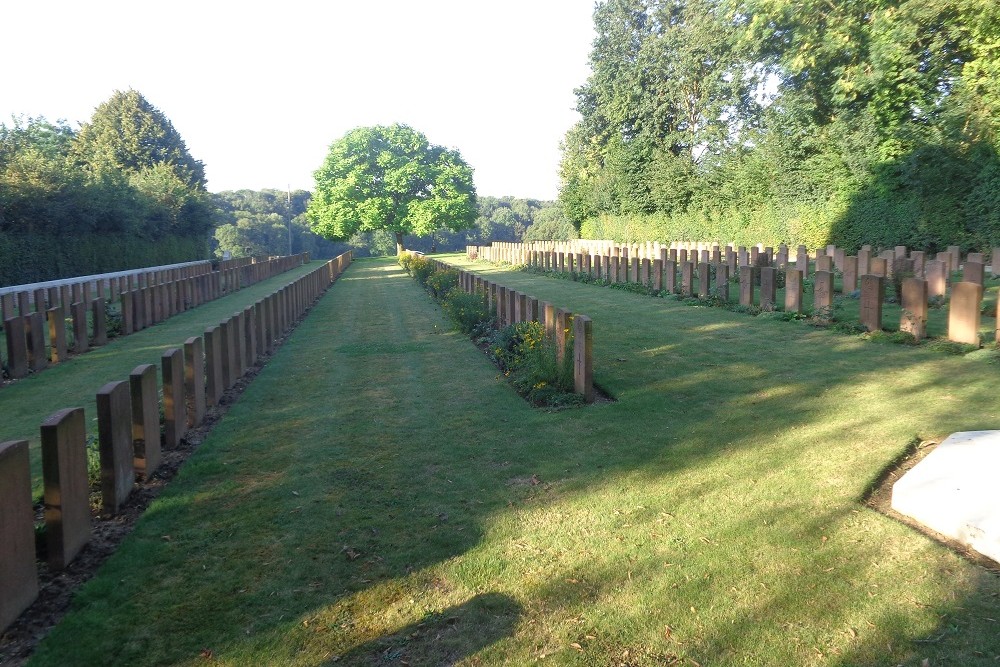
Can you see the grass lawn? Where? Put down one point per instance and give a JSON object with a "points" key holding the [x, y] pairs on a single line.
{"points": [[380, 496], [25, 404]]}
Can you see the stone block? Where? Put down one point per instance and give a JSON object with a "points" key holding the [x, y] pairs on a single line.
{"points": [[23, 303], [114, 437], [823, 294], [657, 276], [872, 297], [57, 334], [66, 497], [914, 307], [145, 431], [38, 356], [583, 357], [174, 418], [746, 285], [15, 334], [850, 278], [963, 312], [793, 290], [100, 320], [824, 263], [18, 574], [974, 272], [687, 279], [704, 280], [228, 354], [722, 281], [879, 267], [127, 313], [194, 380], [768, 288], [864, 262], [214, 377], [937, 278], [562, 329], [670, 277], [644, 268]]}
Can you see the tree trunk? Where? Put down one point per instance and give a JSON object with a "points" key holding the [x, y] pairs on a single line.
{"points": [[399, 243]]}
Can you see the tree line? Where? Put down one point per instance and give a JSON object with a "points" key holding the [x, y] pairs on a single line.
{"points": [[803, 121]]}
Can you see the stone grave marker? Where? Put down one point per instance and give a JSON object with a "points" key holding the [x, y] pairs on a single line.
{"points": [[793, 290], [18, 574], [914, 316], [872, 297], [66, 497], [114, 437], [174, 419], [146, 451], [746, 285], [57, 334], [768, 288], [17, 346], [823, 294], [963, 312]]}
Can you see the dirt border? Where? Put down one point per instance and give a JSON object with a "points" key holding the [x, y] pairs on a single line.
{"points": [[56, 589]]}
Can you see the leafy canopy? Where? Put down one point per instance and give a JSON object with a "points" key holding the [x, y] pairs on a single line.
{"points": [[391, 178]]}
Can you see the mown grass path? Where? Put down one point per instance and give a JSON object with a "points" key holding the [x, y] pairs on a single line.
{"points": [[25, 404], [379, 496]]}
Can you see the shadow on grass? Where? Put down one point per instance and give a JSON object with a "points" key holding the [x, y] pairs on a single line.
{"points": [[366, 483], [441, 638]]}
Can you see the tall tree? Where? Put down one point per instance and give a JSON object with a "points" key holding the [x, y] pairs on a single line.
{"points": [[391, 178]]}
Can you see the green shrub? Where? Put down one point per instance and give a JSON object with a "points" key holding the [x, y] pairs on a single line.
{"points": [[470, 312], [421, 269], [442, 281]]}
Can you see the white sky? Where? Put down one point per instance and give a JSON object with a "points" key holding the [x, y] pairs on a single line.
{"points": [[259, 90]]}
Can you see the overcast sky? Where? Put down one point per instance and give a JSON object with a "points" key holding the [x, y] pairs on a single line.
{"points": [[260, 90]]}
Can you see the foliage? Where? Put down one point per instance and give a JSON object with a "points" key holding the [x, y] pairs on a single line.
{"points": [[391, 178], [469, 311], [124, 178], [799, 122], [442, 281], [268, 222]]}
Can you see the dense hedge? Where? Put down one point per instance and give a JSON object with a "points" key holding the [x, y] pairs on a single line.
{"points": [[35, 258]]}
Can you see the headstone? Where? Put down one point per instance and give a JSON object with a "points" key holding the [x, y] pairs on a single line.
{"points": [[900, 252], [746, 285], [879, 267], [18, 574], [57, 334], [872, 296], [704, 280], [194, 380], [583, 358], [17, 346], [563, 322], [850, 278], [955, 253], [100, 322], [687, 279], [864, 262], [81, 342], [644, 271], [114, 437], [250, 335], [66, 497], [146, 451], [38, 357], [824, 263], [793, 290], [919, 260], [974, 272], [823, 295], [173, 397], [914, 307], [802, 261], [613, 270], [937, 278], [722, 281], [838, 259], [214, 382], [670, 277], [768, 288], [127, 314], [658, 274], [228, 356], [963, 312], [995, 261], [977, 257]]}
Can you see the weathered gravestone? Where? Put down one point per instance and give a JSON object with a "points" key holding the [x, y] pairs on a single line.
{"points": [[963, 313], [850, 277], [146, 451], [872, 296], [57, 334], [18, 574], [746, 285], [823, 294], [793, 290], [114, 437], [937, 278], [768, 288], [722, 281], [914, 316], [704, 277], [17, 347], [583, 357], [174, 419], [66, 497]]}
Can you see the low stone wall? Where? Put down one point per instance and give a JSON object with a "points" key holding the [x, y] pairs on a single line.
{"points": [[193, 376]]}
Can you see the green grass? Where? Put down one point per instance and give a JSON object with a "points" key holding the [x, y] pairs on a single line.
{"points": [[379, 495], [25, 404]]}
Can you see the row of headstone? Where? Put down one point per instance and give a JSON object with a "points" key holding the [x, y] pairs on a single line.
{"points": [[512, 307], [859, 273], [193, 378], [141, 306]]}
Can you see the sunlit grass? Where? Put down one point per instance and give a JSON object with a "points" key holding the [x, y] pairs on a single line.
{"points": [[379, 495]]}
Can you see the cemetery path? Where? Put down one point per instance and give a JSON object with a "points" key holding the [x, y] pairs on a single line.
{"points": [[380, 496]]}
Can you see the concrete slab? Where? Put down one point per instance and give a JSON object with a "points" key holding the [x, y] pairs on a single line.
{"points": [[954, 491]]}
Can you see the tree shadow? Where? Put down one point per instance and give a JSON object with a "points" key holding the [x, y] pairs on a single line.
{"points": [[441, 638]]}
